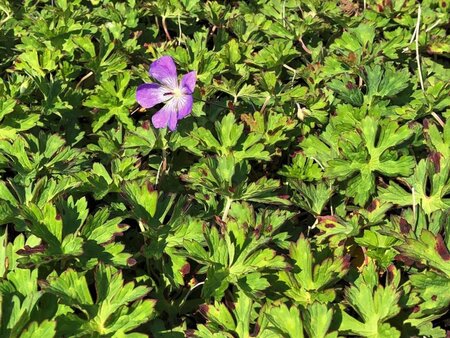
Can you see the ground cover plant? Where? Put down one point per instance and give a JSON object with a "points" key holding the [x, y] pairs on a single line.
{"points": [[263, 168]]}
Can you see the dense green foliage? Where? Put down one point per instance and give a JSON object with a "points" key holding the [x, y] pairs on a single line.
{"points": [[307, 194]]}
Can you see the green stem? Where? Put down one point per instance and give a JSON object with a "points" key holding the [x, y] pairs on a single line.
{"points": [[143, 230], [162, 166], [188, 293], [227, 209]]}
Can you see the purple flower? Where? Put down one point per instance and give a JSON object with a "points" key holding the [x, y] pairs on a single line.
{"points": [[176, 95]]}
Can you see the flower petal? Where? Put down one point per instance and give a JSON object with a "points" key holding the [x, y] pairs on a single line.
{"points": [[150, 94], [184, 106], [165, 116], [165, 71], [173, 121], [188, 81]]}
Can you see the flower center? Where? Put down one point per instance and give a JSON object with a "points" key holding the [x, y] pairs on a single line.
{"points": [[177, 92]]}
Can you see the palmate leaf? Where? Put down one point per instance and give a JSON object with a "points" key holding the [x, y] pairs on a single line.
{"points": [[102, 182], [117, 308], [313, 272], [142, 138], [231, 140], [13, 121], [44, 329], [379, 158], [40, 192], [143, 199], [114, 100], [312, 321], [66, 233], [238, 321], [312, 197], [228, 177], [47, 225], [324, 148], [373, 303], [429, 249], [99, 232], [334, 230], [11, 253], [379, 246], [317, 321], [19, 296], [266, 221], [432, 288], [272, 126], [165, 238], [219, 315], [246, 318], [331, 79], [49, 154], [30, 63], [287, 321], [236, 256], [109, 143], [302, 169], [386, 81], [348, 91], [438, 141], [237, 89], [434, 172], [274, 55], [231, 54], [356, 39]]}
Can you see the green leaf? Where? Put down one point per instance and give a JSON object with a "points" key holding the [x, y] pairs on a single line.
{"points": [[286, 320], [312, 273], [19, 297], [219, 314], [428, 248], [385, 82], [143, 198], [373, 303], [118, 308], [317, 321], [44, 329], [114, 100], [425, 173]]}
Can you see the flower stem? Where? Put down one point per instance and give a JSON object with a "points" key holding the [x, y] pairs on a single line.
{"points": [[143, 230], [189, 292], [166, 31], [162, 166], [227, 209]]}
